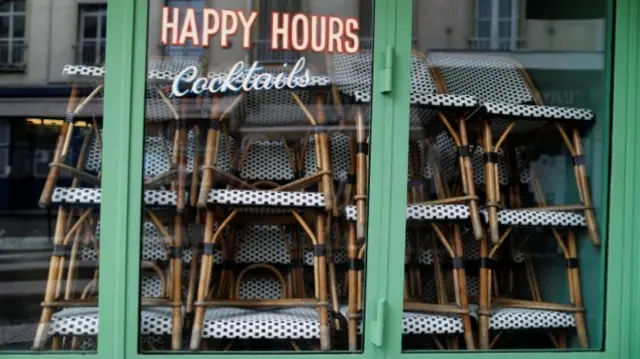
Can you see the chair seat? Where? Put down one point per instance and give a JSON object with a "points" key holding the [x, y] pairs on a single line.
{"points": [[517, 318], [84, 321], [538, 112], [261, 200], [93, 197], [290, 323], [425, 212], [431, 100], [532, 217], [423, 323]]}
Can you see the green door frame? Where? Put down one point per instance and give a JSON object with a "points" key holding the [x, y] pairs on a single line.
{"points": [[121, 207]]}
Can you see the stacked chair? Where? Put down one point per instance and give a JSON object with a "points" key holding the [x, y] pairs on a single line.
{"points": [[279, 182], [493, 98], [433, 164], [66, 314], [281, 197], [512, 110]]}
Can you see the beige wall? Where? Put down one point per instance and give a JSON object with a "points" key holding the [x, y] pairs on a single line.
{"points": [[440, 24]]}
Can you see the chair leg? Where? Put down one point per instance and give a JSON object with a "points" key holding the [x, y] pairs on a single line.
{"points": [[54, 172], [176, 282], [325, 335], [490, 180], [462, 288], [468, 185], [52, 279], [206, 268], [210, 158], [483, 302], [352, 320], [574, 274], [583, 188]]}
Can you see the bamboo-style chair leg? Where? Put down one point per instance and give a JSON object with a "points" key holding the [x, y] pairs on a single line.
{"points": [[52, 279], [490, 180], [323, 146], [211, 240], [574, 274], [211, 153], [468, 184], [333, 286], [484, 298], [176, 282], [461, 276], [583, 188], [321, 263], [354, 267]]}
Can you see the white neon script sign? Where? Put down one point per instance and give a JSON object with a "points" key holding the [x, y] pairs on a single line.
{"points": [[240, 78]]}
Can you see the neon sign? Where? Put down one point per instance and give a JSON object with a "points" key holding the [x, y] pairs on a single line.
{"points": [[297, 32], [241, 78]]}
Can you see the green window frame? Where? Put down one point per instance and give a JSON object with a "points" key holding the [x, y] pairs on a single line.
{"points": [[121, 207]]}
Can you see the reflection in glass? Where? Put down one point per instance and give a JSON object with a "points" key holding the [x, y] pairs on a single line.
{"points": [[502, 239], [250, 222], [50, 177]]}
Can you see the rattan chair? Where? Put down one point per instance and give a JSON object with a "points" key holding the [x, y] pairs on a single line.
{"points": [[512, 106]]}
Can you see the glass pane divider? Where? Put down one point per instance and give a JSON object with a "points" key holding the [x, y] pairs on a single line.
{"points": [[135, 166], [119, 103]]}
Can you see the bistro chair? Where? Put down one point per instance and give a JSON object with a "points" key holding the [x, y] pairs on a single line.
{"points": [[498, 312], [262, 180], [77, 206], [246, 303], [80, 321], [511, 105], [352, 85]]}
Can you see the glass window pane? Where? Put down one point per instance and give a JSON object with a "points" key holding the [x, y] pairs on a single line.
{"points": [[484, 8], [19, 5], [5, 26], [502, 212], [484, 29], [504, 29], [18, 26], [505, 8], [90, 27], [5, 6], [103, 27], [49, 192], [270, 169]]}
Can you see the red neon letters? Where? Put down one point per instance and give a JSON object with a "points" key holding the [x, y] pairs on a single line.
{"points": [[298, 32]]}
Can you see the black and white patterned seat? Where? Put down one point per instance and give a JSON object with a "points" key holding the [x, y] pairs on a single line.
{"points": [[518, 318], [157, 155], [419, 212], [83, 321], [274, 107], [154, 248], [423, 323], [538, 218], [269, 323], [477, 160], [159, 70], [252, 198], [353, 77], [157, 161], [501, 87], [84, 196], [260, 244]]}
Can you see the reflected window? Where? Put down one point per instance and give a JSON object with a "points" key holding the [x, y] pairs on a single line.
{"points": [[12, 34], [92, 34]]}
